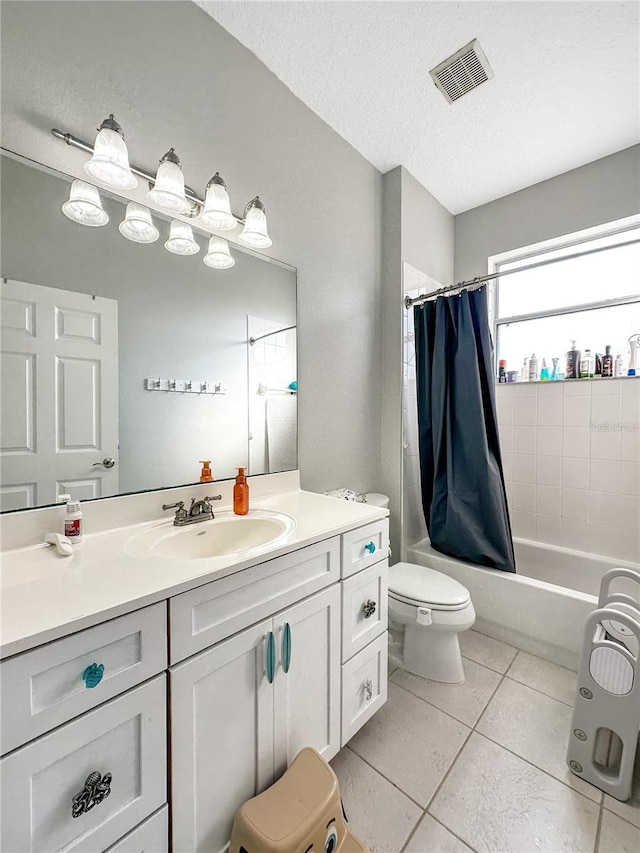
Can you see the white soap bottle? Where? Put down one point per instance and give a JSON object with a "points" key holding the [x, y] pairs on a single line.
{"points": [[533, 368], [73, 522]]}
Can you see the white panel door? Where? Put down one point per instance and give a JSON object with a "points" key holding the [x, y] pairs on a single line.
{"points": [[59, 394], [222, 738], [307, 697]]}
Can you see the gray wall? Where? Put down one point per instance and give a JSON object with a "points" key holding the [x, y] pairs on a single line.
{"points": [[174, 77], [599, 192], [176, 319], [417, 230]]}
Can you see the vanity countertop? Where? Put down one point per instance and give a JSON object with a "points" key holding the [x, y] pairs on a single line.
{"points": [[45, 597]]}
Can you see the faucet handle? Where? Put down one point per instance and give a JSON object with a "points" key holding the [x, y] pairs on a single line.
{"points": [[214, 498], [179, 506]]}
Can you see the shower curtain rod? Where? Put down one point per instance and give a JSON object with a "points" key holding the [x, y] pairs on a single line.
{"points": [[474, 283], [252, 341]]}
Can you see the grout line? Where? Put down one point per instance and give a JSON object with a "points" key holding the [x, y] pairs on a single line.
{"points": [[596, 843], [597, 803], [615, 814], [435, 793], [433, 817], [537, 690], [380, 773]]}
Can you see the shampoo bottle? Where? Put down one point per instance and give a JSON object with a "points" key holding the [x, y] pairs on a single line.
{"points": [[573, 363], [544, 371], [617, 370], [241, 494], [533, 368], [587, 365], [607, 363]]}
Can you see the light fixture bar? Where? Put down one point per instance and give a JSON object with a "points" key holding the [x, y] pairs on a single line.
{"points": [[76, 142]]}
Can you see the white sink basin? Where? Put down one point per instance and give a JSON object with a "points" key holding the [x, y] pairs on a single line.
{"points": [[225, 535]]}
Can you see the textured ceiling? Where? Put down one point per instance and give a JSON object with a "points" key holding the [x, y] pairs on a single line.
{"points": [[565, 91]]}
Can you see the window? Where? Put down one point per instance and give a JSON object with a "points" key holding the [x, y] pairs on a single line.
{"points": [[585, 287]]}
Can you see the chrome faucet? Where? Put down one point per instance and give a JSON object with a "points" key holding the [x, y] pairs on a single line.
{"points": [[198, 511]]}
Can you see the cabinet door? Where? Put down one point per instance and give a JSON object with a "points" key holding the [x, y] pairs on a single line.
{"points": [[222, 738], [307, 696]]}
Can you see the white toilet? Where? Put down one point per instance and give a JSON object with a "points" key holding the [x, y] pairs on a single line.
{"points": [[434, 609]]}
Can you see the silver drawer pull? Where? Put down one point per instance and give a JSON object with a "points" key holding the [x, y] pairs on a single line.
{"points": [[369, 608], [96, 788], [368, 689]]}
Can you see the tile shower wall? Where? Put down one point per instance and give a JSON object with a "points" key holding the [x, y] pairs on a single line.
{"points": [[572, 463]]}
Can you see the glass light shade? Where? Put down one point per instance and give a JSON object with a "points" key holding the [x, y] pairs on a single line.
{"points": [[254, 234], [84, 205], [218, 255], [138, 225], [110, 161], [181, 240], [168, 190], [217, 207]]}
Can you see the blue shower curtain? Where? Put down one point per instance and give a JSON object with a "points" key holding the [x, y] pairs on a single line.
{"points": [[463, 491]]}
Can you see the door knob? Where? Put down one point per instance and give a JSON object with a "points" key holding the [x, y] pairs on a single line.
{"points": [[107, 462]]}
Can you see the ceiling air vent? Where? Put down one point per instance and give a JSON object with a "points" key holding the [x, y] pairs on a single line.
{"points": [[465, 70]]}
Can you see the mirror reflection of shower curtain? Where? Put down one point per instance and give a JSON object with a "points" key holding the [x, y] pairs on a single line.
{"points": [[463, 490]]}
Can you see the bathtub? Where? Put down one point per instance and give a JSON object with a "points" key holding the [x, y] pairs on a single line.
{"points": [[541, 609]]}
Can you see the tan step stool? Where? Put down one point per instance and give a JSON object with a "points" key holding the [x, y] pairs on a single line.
{"points": [[300, 813]]}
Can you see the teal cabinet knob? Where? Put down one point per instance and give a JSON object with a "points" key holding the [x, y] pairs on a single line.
{"points": [[92, 676], [370, 547]]}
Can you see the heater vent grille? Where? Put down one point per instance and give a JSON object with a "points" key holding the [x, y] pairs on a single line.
{"points": [[467, 69]]}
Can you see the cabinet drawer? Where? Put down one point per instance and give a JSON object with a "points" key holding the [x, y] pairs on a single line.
{"points": [[50, 685], [208, 614], [43, 780], [364, 686], [364, 608], [364, 546], [152, 836]]}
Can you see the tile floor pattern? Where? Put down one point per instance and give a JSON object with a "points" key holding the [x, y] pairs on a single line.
{"points": [[479, 766]]}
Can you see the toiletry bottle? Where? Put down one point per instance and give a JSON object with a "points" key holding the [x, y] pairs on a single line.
{"points": [[607, 363], [544, 372], [533, 368], [617, 370], [241, 494], [555, 375], [524, 373], [633, 349], [205, 475], [586, 365], [73, 522], [573, 362], [598, 367], [502, 370]]}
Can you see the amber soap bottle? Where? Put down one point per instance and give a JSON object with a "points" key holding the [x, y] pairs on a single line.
{"points": [[241, 494], [205, 475]]}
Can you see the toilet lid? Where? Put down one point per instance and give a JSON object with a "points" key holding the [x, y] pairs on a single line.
{"points": [[419, 584]]}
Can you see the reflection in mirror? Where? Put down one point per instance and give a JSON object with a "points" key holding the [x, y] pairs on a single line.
{"points": [[123, 364]]}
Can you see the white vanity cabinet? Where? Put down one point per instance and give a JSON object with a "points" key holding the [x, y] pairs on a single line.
{"points": [[194, 704], [242, 710]]}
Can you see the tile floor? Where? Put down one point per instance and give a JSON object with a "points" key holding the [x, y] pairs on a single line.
{"points": [[479, 766]]}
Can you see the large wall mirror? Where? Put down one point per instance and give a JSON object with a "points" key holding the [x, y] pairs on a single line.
{"points": [[124, 365]]}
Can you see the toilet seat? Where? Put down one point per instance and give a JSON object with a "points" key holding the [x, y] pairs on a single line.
{"points": [[423, 587]]}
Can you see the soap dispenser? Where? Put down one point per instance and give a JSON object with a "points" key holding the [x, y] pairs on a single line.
{"points": [[241, 494], [205, 475]]}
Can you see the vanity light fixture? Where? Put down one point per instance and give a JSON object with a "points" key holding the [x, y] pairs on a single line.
{"points": [[84, 205], [137, 225], [218, 255], [255, 234], [110, 162], [217, 207], [181, 240], [168, 190]]}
